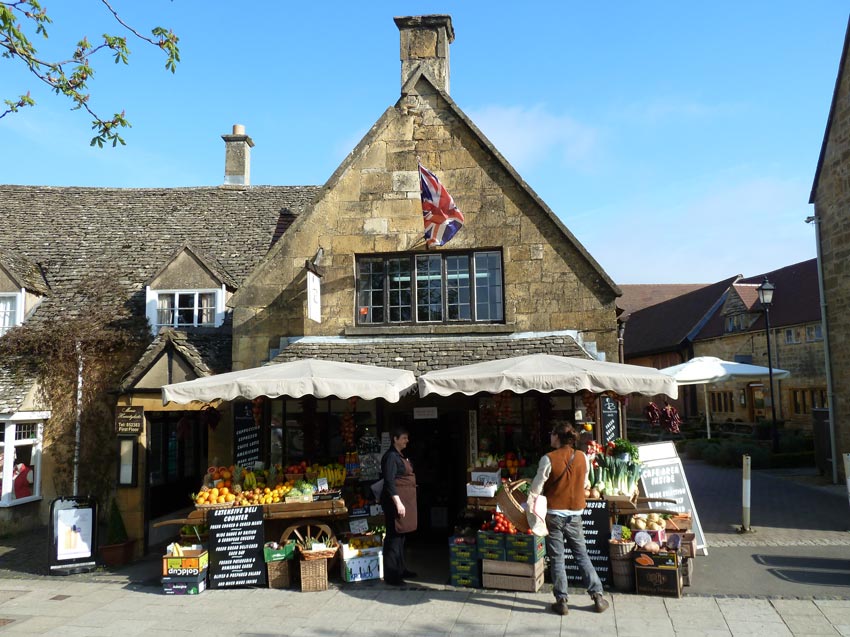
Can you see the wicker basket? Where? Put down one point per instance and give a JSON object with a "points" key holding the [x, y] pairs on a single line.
{"points": [[217, 505], [324, 554], [620, 549], [510, 500], [278, 574], [314, 575]]}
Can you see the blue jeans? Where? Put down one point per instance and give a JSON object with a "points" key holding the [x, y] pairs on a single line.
{"points": [[568, 531]]}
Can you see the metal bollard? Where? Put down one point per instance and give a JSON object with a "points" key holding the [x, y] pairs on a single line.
{"points": [[745, 496], [847, 473]]}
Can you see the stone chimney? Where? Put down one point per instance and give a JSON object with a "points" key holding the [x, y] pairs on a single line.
{"points": [[237, 157], [425, 41]]}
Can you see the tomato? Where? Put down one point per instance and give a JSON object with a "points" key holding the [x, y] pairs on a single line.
{"points": [[529, 532]]}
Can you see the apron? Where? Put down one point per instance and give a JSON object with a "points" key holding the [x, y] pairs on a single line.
{"points": [[405, 486]]}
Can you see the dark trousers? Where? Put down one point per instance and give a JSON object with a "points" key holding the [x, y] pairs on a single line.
{"points": [[394, 565]]}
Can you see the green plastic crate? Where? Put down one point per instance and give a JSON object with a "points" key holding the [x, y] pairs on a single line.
{"points": [[465, 580], [490, 540], [463, 552], [492, 554]]}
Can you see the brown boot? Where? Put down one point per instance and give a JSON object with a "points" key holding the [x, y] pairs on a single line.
{"points": [[600, 604], [560, 607]]}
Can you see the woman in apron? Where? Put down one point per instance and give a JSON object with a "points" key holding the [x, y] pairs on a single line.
{"points": [[398, 499]]}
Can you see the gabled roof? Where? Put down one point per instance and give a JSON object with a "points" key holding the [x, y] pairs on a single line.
{"points": [[796, 299], [672, 324], [638, 296], [832, 108], [76, 233], [206, 351], [421, 354], [388, 116], [748, 292], [25, 273], [210, 263]]}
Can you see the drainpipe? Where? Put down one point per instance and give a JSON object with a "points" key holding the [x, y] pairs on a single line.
{"points": [[830, 395]]}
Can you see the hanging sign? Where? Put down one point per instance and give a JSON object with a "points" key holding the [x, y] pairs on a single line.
{"points": [[610, 419], [129, 420], [664, 477], [236, 547], [314, 297]]}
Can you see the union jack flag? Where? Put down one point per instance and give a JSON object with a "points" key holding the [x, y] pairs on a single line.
{"points": [[440, 214]]}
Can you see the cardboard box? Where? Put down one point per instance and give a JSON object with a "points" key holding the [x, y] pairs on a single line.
{"points": [[662, 559], [460, 579], [183, 585], [361, 569], [520, 569], [512, 583], [688, 543], [522, 556], [348, 552], [688, 571], [486, 476], [491, 540], [480, 490], [680, 522], [651, 580], [525, 548], [192, 563]]}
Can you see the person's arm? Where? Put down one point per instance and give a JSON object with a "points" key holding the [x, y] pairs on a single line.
{"points": [[389, 467], [544, 469]]}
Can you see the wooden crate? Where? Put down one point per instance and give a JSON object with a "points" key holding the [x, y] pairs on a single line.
{"points": [[516, 569], [314, 575], [513, 582], [652, 580]]}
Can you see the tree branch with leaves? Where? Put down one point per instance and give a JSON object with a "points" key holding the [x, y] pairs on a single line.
{"points": [[22, 21]]}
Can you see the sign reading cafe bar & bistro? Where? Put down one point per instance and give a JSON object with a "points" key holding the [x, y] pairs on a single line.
{"points": [[129, 420]]}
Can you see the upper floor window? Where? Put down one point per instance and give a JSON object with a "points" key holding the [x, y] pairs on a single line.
{"points": [[793, 335], [20, 462], [186, 308], [814, 332], [430, 288], [8, 312]]}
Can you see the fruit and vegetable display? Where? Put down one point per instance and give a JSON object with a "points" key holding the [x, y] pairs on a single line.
{"points": [[649, 521], [612, 472], [501, 524]]}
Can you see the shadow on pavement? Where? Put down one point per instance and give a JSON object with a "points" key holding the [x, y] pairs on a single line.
{"points": [[807, 570]]}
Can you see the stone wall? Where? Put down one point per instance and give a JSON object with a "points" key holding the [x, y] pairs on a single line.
{"points": [[372, 205]]}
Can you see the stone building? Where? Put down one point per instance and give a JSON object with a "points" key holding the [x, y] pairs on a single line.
{"points": [[831, 198], [221, 275]]}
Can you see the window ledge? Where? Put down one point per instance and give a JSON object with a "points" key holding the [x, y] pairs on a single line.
{"points": [[19, 501], [442, 328]]}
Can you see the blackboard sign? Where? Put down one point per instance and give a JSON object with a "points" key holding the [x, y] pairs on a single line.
{"points": [[236, 547], [596, 523], [129, 420], [246, 435], [664, 477], [610, 419]]}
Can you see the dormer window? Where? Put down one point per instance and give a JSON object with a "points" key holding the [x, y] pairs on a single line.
{"points": [[186, 308], [9, 312]]}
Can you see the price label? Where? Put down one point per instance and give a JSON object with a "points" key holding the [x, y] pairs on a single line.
{"points": [[322, 484], [318, 546], [616, 532], [359, 526]]}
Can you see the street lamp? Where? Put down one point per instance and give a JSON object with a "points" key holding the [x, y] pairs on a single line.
{"points": [[765, 291]]}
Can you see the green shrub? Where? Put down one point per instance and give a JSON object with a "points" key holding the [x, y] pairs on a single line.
{"points": [[792, 459]]}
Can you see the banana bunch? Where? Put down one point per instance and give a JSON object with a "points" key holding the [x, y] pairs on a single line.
{"points": [[335, 474], [249, 481], [176, 550]]}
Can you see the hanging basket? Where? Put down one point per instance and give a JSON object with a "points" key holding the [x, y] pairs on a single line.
{"points": [[511, 500]]}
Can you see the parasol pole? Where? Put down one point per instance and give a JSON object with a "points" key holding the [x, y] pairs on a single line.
{"points": [[707, 410]]}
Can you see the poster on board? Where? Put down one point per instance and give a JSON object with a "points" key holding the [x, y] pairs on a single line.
{"points": [[72, 535]]}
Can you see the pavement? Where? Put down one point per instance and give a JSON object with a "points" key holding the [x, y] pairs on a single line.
{"points": [[789, 577]]}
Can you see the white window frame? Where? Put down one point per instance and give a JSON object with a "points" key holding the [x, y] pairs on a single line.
{"points": [[793, 336], [152, 305], [7, 446], [19, 296], [812, 335]]}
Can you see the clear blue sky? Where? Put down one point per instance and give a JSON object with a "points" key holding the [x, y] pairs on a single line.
{"points": [[676, 140]]}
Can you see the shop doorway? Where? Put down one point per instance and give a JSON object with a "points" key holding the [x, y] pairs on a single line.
{"points": [[437, 451], [176, 460]]}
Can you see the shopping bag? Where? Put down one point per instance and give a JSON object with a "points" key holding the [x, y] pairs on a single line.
{"points": [[536, 514], [377, 489]]}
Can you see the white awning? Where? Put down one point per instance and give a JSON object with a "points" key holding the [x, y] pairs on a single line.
{"points": [[307, 377]]}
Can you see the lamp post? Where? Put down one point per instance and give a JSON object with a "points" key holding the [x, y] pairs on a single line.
{"points": [[765, 291]]}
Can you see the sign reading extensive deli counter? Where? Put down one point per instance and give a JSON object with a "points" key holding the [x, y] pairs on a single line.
{"points": [[236, 547], [595, 523], [129, 420]]}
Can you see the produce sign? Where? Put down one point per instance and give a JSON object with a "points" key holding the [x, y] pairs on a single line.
{"points": [[664, 477], [595, 522], [236, 547], [610, 419], [246, 435]]}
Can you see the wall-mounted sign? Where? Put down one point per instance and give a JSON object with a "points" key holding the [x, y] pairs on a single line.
{"points": [[129, 420], [246, 435], [424, 413], [610, 419], [314, 297]]}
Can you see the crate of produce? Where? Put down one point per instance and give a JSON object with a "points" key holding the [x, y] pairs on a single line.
{"points": [[519, 569], [314, 575], [491, 554], [653, 580], [512, 582], [687, 542], [465, 567], [460, 579], [361, 569], [463, 552], [285, 552], [512, 555], [491, 540], [486, 476], [192, 563], [184, 585], [662, 559], [362, 546], [528, 543], [463, 540], [279, 573]]}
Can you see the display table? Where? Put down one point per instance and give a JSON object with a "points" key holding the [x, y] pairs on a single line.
{"points": [[332, 509]]}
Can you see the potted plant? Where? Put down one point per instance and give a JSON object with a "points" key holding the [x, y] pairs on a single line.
{"points": [[118, 549]]}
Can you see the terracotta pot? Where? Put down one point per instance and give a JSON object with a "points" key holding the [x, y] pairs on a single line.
{"points": [[117, 554]]}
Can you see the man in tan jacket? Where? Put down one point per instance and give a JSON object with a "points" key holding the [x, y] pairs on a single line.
{"points": [[561, 476]]}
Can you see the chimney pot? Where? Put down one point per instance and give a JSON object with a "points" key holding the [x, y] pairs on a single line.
{"points": [[237, 157]]}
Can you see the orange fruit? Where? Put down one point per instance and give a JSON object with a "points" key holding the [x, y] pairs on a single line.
{"points": [[223, 491]]}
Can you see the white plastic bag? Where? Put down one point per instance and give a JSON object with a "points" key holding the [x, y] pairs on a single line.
{"points": [[536, 514]]}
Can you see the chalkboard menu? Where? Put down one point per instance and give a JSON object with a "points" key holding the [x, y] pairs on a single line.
{"points": [[246, 434], [664, 477], [596, 523], [610, 419], [236, 547]]}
